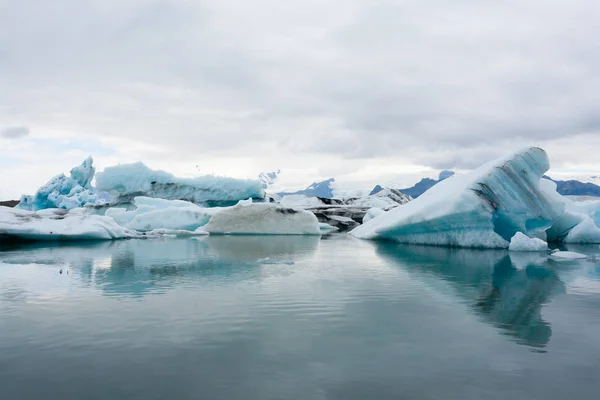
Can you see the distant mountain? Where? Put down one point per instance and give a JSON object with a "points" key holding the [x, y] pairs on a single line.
{"points": [[424, 184], [575, 188], [321, 189], [268, 178]]}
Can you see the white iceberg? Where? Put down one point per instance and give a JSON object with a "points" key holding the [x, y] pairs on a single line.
{"points": [[263, 219], [521, 242], [66, 192], [58, 224], [158, 214], [127, 181], [484, 208]]}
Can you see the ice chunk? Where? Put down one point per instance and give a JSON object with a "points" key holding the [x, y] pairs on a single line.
{"points": [[127, 181], [58, 224], [484, 208], [521, 242], [584, 232], [578, 224], [326, 228], [567, 255], [66, 192], [159, 214], [263, 219]]}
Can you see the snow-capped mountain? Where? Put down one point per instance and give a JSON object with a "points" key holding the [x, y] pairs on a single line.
{"points": [[323, 189], [425, 184], [575, 188]]}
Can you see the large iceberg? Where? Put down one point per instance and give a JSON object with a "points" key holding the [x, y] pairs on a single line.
{"points": [[58, 224], [123, 183], [247, 218], [484, 208], [66, 192], [127, 181]]}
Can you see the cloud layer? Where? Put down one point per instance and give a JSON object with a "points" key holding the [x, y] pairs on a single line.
{"points": [[236, 87], [14, 132]]}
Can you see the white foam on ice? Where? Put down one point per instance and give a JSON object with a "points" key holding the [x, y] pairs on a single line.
{"points": [[263, 219], [58, 224], [521, 242]]}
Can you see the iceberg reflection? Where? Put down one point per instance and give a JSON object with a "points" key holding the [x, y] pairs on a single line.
{"points": [[134, 268], [508, 291]]}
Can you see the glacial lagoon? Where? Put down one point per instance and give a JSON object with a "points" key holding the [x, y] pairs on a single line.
{"points": [[295, 317]]}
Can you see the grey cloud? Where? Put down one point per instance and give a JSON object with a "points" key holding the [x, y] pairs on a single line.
{"points": [[432, 83], [14, 132]]}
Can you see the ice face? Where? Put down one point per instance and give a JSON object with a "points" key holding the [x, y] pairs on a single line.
{"points": [[66, 192], [263, 219], [127, 181], [484, 208], [56, 224]]}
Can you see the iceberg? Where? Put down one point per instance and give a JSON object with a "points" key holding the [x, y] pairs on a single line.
{"points": [[67, 192], [157, 215], [123, 183], [247, 218], [347, 213], [59, 224], [521, 242], [484, 208], [127, 181]]}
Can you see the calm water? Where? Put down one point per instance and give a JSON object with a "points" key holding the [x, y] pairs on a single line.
{"points": [[295, 318]]}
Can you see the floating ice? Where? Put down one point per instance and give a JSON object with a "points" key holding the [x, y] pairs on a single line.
{"points": [[127, 181], [263, 219], [484, 208], [326, 228], [521, 242], [158, 214], [57, 224], [66, 192], [568, 255]]}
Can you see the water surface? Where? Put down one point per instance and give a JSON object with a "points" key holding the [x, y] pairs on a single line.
{"points": [[295, 318]]}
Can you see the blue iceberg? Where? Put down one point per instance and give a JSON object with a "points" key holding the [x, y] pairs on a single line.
{"points": [[67, 192], [123, 183], [486, 208], [127, 181]]}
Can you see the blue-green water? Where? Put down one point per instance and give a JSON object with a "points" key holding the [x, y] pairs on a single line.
{"points": [[295, 318]]}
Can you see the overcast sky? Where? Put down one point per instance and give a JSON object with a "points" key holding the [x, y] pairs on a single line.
{"points": [[358, 89]]}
